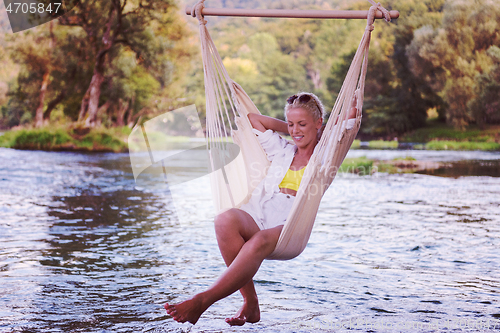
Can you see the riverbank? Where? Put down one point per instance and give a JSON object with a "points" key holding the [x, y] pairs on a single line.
{"points": [[435, 136], [68, 139], [366, 166], [438, 136], [435, 144]]}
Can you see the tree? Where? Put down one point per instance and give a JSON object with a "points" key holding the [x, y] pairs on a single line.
{"points": [[110, 25], [404, 101], [7, 68], [454, 56], [54, 69], [33, 50], [57, 64], [485, 106], [278, 74]]}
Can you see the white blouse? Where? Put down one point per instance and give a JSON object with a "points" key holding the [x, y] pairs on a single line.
{"points": [[280, 153]]}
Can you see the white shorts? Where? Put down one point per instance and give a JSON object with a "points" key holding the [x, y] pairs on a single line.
{"points": [[272, 213]]}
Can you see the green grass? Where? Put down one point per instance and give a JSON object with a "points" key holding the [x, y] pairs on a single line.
{"points": [[440, 131], [64, 139], [364, 166], [439, 136], [461, 145], [381, 144], [102, 141], [384, 167], [43, 139], [359, 165], [356, 144], [407, 158], [6, 139], [376, 144]]}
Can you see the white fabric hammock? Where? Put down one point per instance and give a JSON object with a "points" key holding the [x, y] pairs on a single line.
{"points": [[227, 103]]}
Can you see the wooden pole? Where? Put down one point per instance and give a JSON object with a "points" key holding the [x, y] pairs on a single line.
{"points": [[292, 13]]}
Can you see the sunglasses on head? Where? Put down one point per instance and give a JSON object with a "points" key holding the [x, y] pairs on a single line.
{"points": [[302, 99]]}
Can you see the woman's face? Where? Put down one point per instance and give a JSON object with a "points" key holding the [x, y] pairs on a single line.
{"points": [[302, 127]]}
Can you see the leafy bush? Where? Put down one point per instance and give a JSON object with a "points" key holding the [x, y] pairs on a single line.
{"points": [[62, 139], [461, 145], [381, 144], [360, 165], [45, 139]]}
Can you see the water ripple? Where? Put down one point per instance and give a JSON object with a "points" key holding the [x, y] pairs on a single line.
{"points": [[85, 250]]}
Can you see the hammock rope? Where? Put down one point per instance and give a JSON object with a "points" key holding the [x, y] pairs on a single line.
{"points": [[232, 184]]}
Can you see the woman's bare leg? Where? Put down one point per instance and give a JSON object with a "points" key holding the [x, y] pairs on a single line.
{"points": [[233, 228], [236, 276]]}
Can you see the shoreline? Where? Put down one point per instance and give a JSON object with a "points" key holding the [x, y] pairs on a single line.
{"points": [[473, 167], [115, 140], [67, 139]]}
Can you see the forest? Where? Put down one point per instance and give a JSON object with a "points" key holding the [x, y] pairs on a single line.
{"points": [[114, 63]]}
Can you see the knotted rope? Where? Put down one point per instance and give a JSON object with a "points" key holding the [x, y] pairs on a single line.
{"points": [[371, 14], [196, 12]]}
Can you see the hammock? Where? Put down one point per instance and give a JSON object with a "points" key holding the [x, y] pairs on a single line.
{"points": [[228, 104]]}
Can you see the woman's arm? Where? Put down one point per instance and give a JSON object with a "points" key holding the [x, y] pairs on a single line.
{"points": [[263, 123]]}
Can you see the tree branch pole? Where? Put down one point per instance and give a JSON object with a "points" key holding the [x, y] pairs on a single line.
{"points": [[292, 13]]}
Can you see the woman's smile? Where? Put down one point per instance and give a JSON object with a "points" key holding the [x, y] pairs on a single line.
{"points": [[302, 127], [298, 138]]}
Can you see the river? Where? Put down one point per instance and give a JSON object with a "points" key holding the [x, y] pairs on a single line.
{"points": [[84, 249]]}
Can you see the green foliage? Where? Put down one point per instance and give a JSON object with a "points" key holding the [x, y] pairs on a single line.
{"points": [[273, 59], [131, 85], [359, 165], [273, 76], [120, 131], [99, 140], [6, 139], [143, 70], [356, 144], [65, 139], [364, 166], [60, 51], [380, 166], [406, 158], [381, 144], [44, 139], [485, 107], [58, 118], [397, 101], [461, 145], [453, 58], [438, 131], [20, 107]]}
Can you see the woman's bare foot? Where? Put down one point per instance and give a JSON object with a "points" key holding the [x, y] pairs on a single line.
{"points": [[189, 310], [249, 313]]}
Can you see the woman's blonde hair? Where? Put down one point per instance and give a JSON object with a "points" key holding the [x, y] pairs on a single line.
{"points": [[307, 101]]}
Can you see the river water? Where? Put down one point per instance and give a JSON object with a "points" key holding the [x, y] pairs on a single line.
{"points": [[83, 249]]}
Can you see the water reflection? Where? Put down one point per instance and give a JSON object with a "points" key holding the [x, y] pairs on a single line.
{"points": [[99, 247], [101, 221], [462, 168]]}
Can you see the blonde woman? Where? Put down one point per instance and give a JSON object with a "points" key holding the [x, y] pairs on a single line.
{"points": [[246, 236]]}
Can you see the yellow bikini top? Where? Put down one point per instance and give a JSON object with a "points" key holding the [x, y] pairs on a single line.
{"points": [[292, 179]]}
